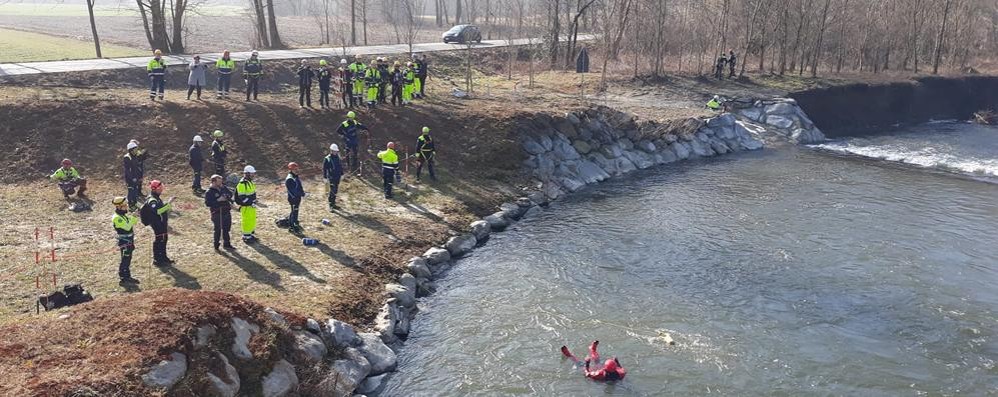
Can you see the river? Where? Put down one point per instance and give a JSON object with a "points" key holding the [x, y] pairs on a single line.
{"points": [[789, 271]]}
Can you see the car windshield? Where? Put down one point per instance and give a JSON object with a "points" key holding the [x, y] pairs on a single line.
{"points": [[456, 29]]}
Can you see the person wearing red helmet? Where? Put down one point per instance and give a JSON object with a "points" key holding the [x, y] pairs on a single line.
{"points": [[69, 179], [156, 214], [611, 371], [295, 193]]}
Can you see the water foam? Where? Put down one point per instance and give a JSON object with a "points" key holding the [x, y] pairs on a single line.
{"points": [[927, 157]]}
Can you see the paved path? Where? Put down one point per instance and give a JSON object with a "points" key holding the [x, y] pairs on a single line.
{"points": [[27, 68]]}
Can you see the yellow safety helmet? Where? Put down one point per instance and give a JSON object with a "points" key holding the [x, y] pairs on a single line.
{"points": [[158, 52], [426, 129], [322, 62], [119, 201], [217, 134], [351, 115]]}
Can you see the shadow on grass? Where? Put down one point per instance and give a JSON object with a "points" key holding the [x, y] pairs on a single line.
{"points": [[256, 272], [337, 255], [285, 262], [367, 221], [180, 278]]}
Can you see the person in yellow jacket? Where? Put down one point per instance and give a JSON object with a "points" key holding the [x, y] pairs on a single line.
{"points": [[69, 179], [714, 103], [124, 224], [225, 66], [246, 199], [357, 73], [372, 79], [156, 68], [389, 166], [408, 83]]}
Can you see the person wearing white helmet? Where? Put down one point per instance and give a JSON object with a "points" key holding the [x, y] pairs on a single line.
{"points": [[218, 152], [134, 171], [246, 199], [343, 78], [332, 170], [196, 160], [325, 76], [305, 77], [252, 70]]}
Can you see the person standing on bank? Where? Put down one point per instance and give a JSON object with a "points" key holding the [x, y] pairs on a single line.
{"points": [[218, 152], [196, 160], [124, 225], [295, 193], [389, 165], [246, 199], [157, 75], [425, 152], [332, 170], [225, 66], [350, 130], [134, 172], [731, 63], [252, 70], [218, 198], [343, 77], [156, 213], [305, 76], [421, 74], [197, 78], [325, 75]]}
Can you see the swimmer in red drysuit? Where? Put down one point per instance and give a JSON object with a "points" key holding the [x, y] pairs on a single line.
{"points": [[611, 370]]}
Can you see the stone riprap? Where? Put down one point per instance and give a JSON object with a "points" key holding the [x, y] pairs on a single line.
{"points": [[779, 117]]}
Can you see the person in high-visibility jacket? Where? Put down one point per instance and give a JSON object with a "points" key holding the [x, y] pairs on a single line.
{"points": [[225, 66], [156, 68], [714, 103], [417, 83], [246, 199], [158, 212], [425, 152], [357, 72], [124, 224], [69, 179], [408, 83], [252, 70], [389, 165], [292, 183], [372, 79], [349, 129]]}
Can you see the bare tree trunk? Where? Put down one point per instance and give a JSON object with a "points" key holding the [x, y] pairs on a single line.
{"points": [[821, 35], [93, 26], [353, 22], [457, 12], [939, 40], [179, 8], [555, 31], [275, 37], [261, 23], [363, 18]]}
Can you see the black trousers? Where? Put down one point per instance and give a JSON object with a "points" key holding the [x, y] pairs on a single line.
{"points": [[346, 97], [352, 158], [388, 174], [159, 244], [428, 160], [422, 85], [196, 184], [293, 216], [133, 192], [126, 245], [396, 94], [219, 167], [191, 88], [222, 220], [305, 95], [324, 97], [334, 188], [382, 91], [252, 86]]}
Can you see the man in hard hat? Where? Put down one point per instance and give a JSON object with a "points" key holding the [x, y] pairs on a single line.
{"points": [[389, 165], [417, 88], [714, 103], [219, 199], [124, 225], [218, 152], [225, 66], [156, 214], [350, 129], [292, 183], [305, 77], [357, 73], [372, 80], [325, 75], [134, 172], [246, 199], [425, 152], [408, 83], [156, 68], [346, 86], [196, 160], [422, 72], [395, 77], [332, 170], [252, 70], [383, 84], [68, 179]]}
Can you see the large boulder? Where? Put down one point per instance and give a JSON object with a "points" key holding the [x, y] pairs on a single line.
{"points": [[753, 113], [281, 381], [681, 150], [408, 280], [624, 165], [481, 229], [718, 146], [563, 150], [573, 118], [425, 287], [646, 145], [385, 321], [223, 381], [566, 128], [309, 346], [781, 109], [779, 121], [381, 357], [498, 222], [240, 344], [545, 142], [640, 159], [724, 120], [665, 156], [275, 316], [611, 151], [625, 144], [166, 373], [533, 147], [403, 295], [591, 173], [571, 184], [582, 147], [418, 267], [460, 245], [371, 384], [512, 210], [436, 255], [608, 166], [338, 334], [343, 378]]}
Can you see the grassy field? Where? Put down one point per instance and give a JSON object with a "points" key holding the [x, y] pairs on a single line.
{"points": [[21, 46], [76, 10]]}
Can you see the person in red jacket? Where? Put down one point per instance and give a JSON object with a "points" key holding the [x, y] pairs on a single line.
{"points": [[611, 371]]}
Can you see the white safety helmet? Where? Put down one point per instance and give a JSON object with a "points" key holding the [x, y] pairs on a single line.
{"points": [[249, 169], [343, 61], [131, 145], [334, 148], [197, 138], [255, 53]]}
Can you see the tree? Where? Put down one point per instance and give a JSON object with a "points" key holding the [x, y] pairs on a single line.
{"points": [[260, 27], [93, 26], [275, 37], [939, 40]]}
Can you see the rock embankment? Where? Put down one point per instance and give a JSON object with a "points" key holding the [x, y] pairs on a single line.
{"points": [[779, 118]]}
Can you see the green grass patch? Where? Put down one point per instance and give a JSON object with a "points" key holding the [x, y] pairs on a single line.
{"points": [[21, 46], [79, 10]]}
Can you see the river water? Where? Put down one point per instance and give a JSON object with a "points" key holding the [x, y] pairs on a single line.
{"points": [[789, 271]]}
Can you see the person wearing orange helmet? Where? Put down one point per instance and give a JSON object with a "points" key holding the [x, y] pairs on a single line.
{"points": [[69, 179], [295, 193], [156, 214]]}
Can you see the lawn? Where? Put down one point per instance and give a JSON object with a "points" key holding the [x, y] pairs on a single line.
{"points": [[18, 46]]}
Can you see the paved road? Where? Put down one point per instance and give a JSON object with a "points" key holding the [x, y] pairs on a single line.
{"points": [[27, 68]]}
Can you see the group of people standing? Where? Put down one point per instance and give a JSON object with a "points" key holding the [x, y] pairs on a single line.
{"points": [[728, 60], [359, 84], [220, 198]]}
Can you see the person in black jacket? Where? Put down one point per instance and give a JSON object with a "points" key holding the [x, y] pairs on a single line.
{"points": [[134, 165], [422, 70], [295, 193], [218, 152], [156, 214], [344, 76], [383, 85], [305, 76], [325, 79], [219, 199], [332, 170], [196, 159], [731, 63], [425, 152], [395, 77]]}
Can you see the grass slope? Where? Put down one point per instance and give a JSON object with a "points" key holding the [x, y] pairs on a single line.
{"points": [[21, 46]]}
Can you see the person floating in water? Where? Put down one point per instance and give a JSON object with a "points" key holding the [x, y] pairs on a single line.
{"points": [[611, 371]]}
